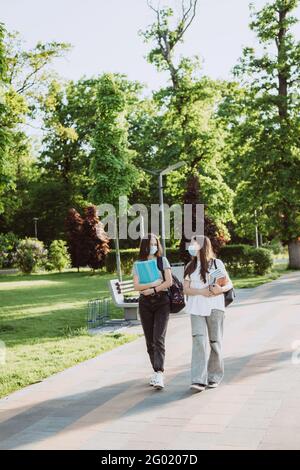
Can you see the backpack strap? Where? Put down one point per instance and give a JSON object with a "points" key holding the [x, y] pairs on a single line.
{"points": [[215, 263], [160, 266]]}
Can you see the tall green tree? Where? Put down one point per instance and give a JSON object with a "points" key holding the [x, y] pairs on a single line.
{"points": [[13, 142], [112, 171], [263, 122], [85, 153], [25, 80], [185, 127], [3, 131], [28, 69], [3, 64], [69, 117]]}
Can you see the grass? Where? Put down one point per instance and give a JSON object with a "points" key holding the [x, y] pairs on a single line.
{"points": [[43, 325], [254, 280], [43, 322]]}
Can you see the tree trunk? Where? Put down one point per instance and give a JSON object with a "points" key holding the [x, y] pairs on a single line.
{"points": [[294, 254], [283, 71]]}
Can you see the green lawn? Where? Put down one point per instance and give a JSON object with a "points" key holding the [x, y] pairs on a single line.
{"points": [[43, 324], [254, 281]]}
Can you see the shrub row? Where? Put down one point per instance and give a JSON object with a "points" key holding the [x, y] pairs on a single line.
{"points": [[129, 256], [239, 259], [246, 259], [30, 254]]}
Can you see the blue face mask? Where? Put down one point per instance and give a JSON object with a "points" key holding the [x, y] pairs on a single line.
{"points": [[153, 249], [192, 250]]}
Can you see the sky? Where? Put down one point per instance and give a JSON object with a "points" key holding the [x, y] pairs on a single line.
{"points": [[104, 34]]}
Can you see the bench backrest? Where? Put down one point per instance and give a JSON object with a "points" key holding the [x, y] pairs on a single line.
{"points": [[118, 289]]}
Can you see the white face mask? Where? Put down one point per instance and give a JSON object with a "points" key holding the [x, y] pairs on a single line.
{"points": [[153, 249], [192, 250]]}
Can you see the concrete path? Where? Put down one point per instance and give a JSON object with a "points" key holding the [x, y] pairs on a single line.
{"points": [[106, 403]]}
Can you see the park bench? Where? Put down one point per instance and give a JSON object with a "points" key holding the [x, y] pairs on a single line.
{"points": [[124, 296]]}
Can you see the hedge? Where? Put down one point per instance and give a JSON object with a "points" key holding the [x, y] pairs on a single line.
{"points": [[246, 259], [239, 259], [129, 256]]}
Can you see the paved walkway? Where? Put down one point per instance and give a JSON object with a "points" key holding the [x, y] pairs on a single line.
{"points": [[105, 403]]}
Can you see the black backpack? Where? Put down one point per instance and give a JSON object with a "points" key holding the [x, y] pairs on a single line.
{"points": [[175, 292]]}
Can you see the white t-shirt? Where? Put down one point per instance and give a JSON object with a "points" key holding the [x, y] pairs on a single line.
{"points": [[199, 304]]}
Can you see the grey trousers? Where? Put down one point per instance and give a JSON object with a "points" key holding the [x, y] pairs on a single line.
{"points": [[207, 364]]}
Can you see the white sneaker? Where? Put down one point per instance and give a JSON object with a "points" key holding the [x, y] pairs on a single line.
{"points": [[198, 387], [212, 385], [159, 382], [152, 379]]}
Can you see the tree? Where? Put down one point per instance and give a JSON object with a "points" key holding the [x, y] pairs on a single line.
{"points": [[3, 64], [58, 256], [192, 196], [95, 243], [26, 77], [3, 131], [263, 128], [69, 116], [87, 241], [112, 171], [166, 39], [12, 110], [185, 125], [80, 142], [28, 73], [73, 228], [16, 198]]}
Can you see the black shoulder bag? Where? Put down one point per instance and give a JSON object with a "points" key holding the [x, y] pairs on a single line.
{"points": [[229, 295]]}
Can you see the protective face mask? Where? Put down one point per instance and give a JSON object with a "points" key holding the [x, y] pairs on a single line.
{"points": [[153, 249], [192, 250]]}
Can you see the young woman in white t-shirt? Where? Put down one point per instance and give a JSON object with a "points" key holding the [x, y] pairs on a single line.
{"points": [[206, 305]]}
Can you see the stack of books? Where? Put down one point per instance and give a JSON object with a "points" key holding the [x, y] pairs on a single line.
{"points": [[215, 276]]}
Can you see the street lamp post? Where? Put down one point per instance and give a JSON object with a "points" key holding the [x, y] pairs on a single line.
{"points": [[162, 212], [160, 174], [118, 257], [258, 234], [35, 219]]}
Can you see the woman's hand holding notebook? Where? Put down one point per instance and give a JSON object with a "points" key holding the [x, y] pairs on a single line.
{"points": [[147, 271]]}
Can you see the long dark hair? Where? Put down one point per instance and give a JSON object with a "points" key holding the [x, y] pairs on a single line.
{"points": [[206, 255], [145, 247]]}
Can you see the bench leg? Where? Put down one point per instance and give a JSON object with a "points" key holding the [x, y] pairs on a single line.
{"points": [[131, 313]]}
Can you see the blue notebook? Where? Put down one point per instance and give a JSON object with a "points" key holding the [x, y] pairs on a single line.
{"points": [[147, 271]]}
